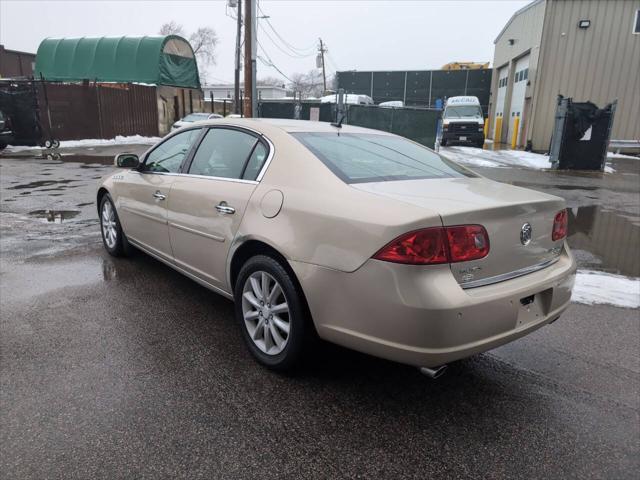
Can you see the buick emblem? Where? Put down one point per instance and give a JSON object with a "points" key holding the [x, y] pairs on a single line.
{"points": [[525, 234]]}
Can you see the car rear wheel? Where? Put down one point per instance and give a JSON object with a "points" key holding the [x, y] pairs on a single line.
{"points": [[271, 313], [113, 238]]}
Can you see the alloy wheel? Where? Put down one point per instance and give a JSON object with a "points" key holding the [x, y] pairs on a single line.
{"points": [[266, 313], [108, 220]]}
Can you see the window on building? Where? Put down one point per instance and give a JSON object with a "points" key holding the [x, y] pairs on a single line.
{"points": [[636, 23], [526, 73]]}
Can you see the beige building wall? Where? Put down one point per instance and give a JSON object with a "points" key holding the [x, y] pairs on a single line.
{"points": [[599, 64], [525, 31]]}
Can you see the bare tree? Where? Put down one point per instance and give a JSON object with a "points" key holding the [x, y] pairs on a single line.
{"points": [[307, 84], [172, 28], [204, 42]]}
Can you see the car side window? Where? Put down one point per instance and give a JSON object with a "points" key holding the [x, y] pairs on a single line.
{"points": [[258, 157], [222, 153], [168, 156]]}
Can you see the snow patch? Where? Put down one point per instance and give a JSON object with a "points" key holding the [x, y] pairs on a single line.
{"points": [[96, 142], [593, 287], [478, 157]]}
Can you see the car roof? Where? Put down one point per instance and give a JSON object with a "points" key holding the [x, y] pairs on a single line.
{"points": [[290, 126]]}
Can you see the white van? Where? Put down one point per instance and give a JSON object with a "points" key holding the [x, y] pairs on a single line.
{"points": [[462, 122]]}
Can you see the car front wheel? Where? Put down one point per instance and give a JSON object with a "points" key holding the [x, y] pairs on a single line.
{"points": [[113, 237], [271, 312]]}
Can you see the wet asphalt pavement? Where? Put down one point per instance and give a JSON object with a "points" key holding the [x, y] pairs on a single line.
{"points": [[123, 368]]}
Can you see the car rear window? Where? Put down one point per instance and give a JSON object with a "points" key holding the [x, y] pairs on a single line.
{"points": [[365, 157]]}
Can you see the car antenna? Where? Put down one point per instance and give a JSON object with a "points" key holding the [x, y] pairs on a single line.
{"points": [[338, 124]]}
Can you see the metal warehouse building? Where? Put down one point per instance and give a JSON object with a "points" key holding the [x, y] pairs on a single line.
{"points": [[585, 49]]}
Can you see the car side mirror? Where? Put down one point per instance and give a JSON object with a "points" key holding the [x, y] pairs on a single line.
{"points": [[127, 160]]}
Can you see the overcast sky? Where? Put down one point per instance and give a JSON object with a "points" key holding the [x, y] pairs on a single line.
{"points": [[360, 35]]}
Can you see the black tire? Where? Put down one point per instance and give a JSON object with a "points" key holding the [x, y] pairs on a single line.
{"points": [[443, 142], [121, 246], [301, 329], [3, 145], [55, 143], [48, 144]]}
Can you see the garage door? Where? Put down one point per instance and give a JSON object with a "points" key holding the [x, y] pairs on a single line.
{"points": [[503, 80], [520, 79]]}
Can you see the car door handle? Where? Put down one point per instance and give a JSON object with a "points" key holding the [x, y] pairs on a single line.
{"points": [[222, 207], [159, 195]]}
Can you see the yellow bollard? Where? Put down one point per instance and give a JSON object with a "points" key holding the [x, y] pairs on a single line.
{"points": [[498, 131], [486, 127], [514, 136]]}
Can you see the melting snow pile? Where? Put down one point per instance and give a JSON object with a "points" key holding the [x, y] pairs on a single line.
{"points": [[593, 287], [97, 142], [119, 140], [478, 157]]}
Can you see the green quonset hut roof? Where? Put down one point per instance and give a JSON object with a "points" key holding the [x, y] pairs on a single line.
{"points": [[161, 60]]}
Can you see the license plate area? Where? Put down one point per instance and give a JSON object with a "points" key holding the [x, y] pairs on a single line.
{"points": [[463, 139], [533, 308]]}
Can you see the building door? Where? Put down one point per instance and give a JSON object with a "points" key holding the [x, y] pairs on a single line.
{"points": [[516, 109], [503, 80]]}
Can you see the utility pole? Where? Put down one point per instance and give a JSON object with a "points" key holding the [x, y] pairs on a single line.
{"points": [[324, 75], [254, 58], [248, 54], [236, 89]]}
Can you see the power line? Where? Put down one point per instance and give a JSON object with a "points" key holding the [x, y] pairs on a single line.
{"points": [[280, 48], [269, 63], [287, 44]]}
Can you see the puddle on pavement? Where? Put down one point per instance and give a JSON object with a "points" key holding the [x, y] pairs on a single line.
{"points": [[40, 183], [97, 159], [605, 240], [559, 187], [54, 216]]}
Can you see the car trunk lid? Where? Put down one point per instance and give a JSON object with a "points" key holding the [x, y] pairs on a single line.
{"points": [[504, 210]]}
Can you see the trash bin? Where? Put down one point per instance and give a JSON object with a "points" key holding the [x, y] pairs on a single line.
{"points": [[580, 135]]}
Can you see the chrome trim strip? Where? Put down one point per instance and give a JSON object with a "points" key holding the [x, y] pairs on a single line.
{"points": [[508, 276], [217, 238], [144, 215], [171, 264]]}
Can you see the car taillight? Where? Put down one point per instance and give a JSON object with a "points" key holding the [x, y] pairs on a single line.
{"points": [[560, 223], [422, 247], [467, 242], [436, 245]]}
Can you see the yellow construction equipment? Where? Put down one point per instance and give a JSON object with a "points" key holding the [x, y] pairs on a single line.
{"points": [[465, 66]]}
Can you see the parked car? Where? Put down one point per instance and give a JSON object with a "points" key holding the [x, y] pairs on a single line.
{"points": [[194, 117], [361, 237], [462, 122]]}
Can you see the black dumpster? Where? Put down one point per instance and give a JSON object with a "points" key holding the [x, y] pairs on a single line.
{"points": [[581, 135]]}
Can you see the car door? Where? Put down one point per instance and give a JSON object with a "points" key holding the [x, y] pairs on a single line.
{"points": [[207, 204], [143, 193]]}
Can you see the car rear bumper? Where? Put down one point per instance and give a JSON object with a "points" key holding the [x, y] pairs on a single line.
{"points": [[420, 315]]}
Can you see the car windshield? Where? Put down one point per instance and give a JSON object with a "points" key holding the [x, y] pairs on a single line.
{"points": [[195, 117], [463, 111], [366, 157]]}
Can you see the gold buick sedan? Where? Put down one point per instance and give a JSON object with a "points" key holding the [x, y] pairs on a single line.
{"points": [[356, 236]]}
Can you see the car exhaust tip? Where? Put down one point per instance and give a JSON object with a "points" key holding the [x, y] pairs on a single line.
{"points": [[433, 373]]}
